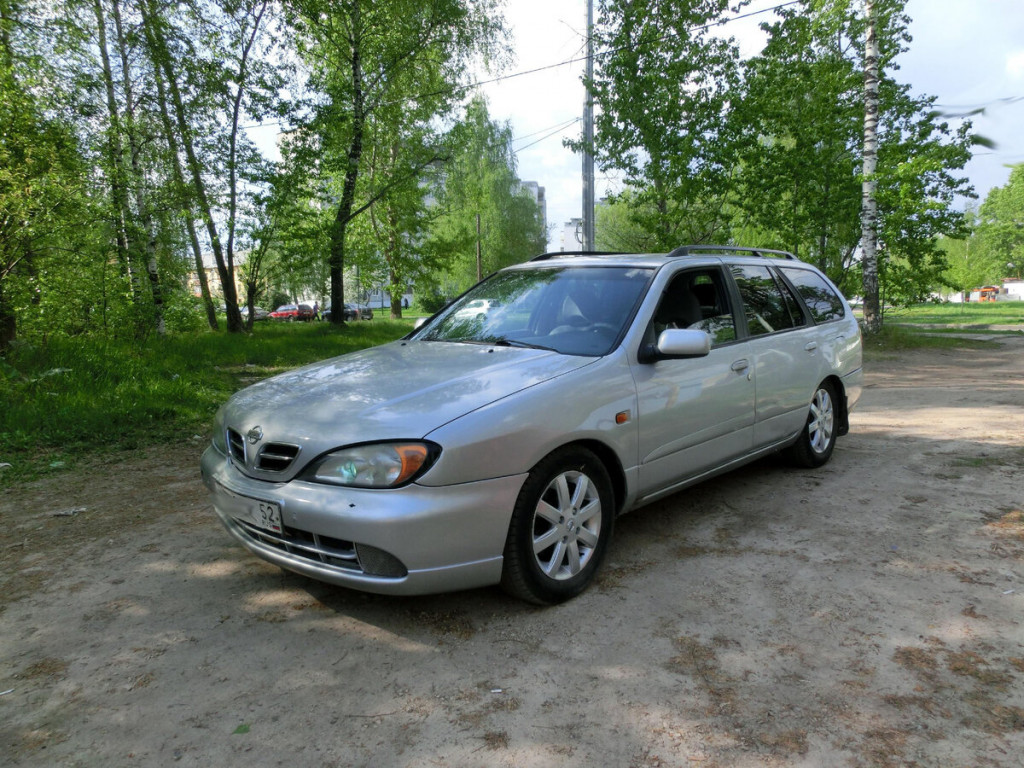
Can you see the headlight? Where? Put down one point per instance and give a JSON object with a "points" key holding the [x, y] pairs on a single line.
{"points": [[376, 465]]}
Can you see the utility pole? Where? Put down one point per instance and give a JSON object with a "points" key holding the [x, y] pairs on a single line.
{"points": [[588, 138]]}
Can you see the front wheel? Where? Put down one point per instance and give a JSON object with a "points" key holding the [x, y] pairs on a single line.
{"points": [[560, 529], [817, 441]]}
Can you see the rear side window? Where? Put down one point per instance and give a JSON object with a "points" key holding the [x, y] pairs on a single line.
{"points": [[820, 298], [768, 306]]}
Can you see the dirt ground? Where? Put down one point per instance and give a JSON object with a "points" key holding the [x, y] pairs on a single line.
{"points": [[870, 613]]}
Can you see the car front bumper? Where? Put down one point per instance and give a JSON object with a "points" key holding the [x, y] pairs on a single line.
{"points": [[407, 541]]}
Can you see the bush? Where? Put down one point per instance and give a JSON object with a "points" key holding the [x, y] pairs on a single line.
{"points": [[431, 300]]}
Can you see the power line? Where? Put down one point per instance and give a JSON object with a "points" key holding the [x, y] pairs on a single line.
{"points": [[559, 129], [610, 51], [553, 128], [983, 105], [578, 59]]}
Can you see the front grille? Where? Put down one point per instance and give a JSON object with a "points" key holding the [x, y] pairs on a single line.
{"points": [[326, 550], [236, 446], [276, 457], [308, 546]]}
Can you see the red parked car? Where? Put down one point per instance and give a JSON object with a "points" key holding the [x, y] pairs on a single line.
{"points": [[293, 312]]}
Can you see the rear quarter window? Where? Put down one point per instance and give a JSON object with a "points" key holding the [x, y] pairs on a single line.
{"points": [[820, 298]]}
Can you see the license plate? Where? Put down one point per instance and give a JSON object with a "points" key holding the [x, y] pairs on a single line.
{"points": [[262, 514], [266, 515]]}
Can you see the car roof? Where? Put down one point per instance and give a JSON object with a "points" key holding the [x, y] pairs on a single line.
{"points": [[695, 255]]}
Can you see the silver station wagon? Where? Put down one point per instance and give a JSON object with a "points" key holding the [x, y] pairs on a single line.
{"points": [[499, 445]]}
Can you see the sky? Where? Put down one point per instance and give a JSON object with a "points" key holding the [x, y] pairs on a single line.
{"points": [[967, 53]]}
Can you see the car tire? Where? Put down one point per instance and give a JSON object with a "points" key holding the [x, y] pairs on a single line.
{"points": [[560, 529], [818, 439]]}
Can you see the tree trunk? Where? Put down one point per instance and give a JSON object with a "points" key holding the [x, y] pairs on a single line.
{"points": [[161, 58], [8, 323], [869, 203], [179, 181], [147, 230], [115, 159], [348, 194]]}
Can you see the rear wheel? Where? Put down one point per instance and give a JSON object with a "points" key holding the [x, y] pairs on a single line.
{"points": [[560, 528], [817, 441]]}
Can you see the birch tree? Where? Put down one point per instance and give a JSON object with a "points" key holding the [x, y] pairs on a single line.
{"points": [[364, 56]]}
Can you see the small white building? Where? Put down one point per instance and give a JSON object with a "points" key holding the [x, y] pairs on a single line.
{"points": [[1012, 289]]}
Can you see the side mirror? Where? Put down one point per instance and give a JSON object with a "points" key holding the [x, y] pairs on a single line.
{"points": [[676, 344]]}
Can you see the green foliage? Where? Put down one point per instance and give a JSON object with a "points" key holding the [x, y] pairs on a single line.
{"points": [[431, 299], [478, 178], [770, 152], [663, 89], [1001, 227], [385, 72], [798, 182], [95, 393], [620, 225]]}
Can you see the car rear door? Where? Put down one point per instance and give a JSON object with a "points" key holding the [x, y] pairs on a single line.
{"points": [[785, 352]]}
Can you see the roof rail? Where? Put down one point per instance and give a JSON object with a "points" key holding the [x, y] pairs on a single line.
{"points": [[575, 254], [687, 250]]}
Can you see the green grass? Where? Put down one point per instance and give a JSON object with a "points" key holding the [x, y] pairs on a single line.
{"points": [[989, 313], [83, 395], [895, 339]]}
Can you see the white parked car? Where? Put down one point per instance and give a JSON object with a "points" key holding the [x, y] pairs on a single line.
{"points": [[500, 446]]}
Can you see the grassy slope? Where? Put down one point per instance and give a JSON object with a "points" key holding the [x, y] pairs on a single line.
{"points": [[89, 394]]}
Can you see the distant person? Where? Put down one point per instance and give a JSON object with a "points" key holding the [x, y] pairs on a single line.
{"points": [[316, 311]]}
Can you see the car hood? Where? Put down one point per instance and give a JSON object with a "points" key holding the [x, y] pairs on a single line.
{"points": [[401, 390]]}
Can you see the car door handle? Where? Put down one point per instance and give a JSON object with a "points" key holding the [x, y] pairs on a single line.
{"points": [[811, 346], [740, 365]]}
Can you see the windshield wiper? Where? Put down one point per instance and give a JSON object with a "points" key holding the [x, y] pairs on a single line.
{"points": [[502, 341]]}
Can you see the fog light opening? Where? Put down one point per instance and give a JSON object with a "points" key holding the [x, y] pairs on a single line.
{"points": [[377, 562]]}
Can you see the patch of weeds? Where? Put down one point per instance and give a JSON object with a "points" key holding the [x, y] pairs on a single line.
{"points": [[792, 742], [39, 738], [884, 748], [495, 740], [272, 617], [986, 460], [502, 703], [142, 681], [970, 664], [971, 613], [917, 660], [1009, 524], [927, 704], [453, 623], [972, 578], [1002, 719], [700, 662], [47, 668], [692, 550], [644, 759], [611, 578]]}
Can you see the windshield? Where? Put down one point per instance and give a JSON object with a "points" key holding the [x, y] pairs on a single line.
{"points": [[571, 310]]}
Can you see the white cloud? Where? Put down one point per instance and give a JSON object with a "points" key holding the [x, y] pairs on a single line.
{"points": [[1015, 64]]}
